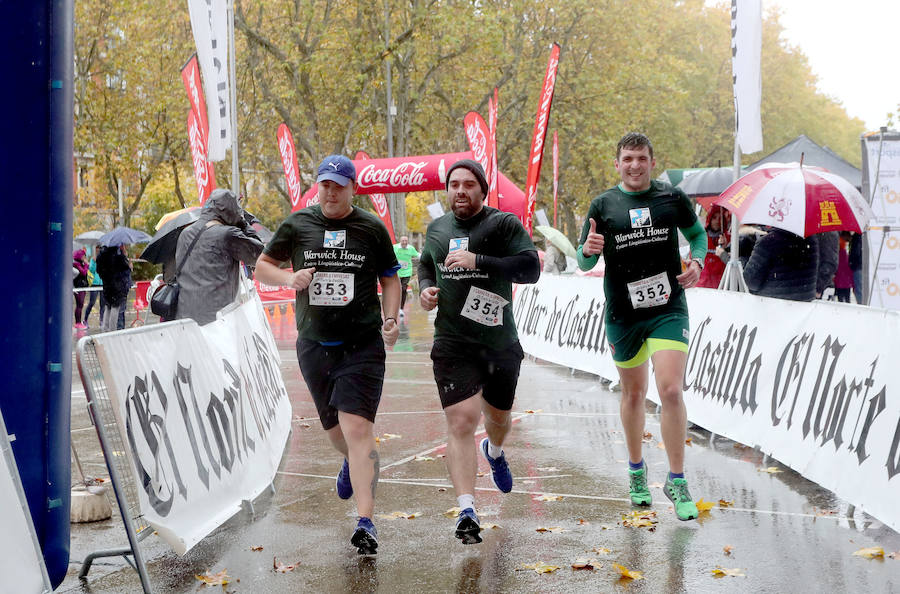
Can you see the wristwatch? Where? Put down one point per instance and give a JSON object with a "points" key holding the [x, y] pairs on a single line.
{"points": [[699, 262]]}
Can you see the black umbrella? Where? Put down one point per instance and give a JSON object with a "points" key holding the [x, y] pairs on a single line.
{"points": [[707, 182], [121, 235], [161, 248]]}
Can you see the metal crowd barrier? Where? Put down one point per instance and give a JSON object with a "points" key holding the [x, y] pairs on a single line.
{"points": [[114, 451]]}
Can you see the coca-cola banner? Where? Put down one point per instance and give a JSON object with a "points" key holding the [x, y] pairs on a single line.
{"points": [[814, 385], [379, 201], [478, 134], [204, 173], [432, 176], [493, 198], [555, 173], [289, 162], [540, 135]]}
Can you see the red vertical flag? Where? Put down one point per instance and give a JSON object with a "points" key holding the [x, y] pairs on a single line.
{"points": [[493, 190], [379, 201], [539, 136], [198, 129], [478, 134], [555, 173], [289, 162], [204, 174]]}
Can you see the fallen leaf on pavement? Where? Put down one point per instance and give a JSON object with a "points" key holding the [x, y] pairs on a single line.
{"points": [[488, 526], [639, 519], [584, 564], [688, 441], [582, 522], [539, 567], [397, 515], [705, 506], [725, 503], [423, 459], [549, 529], [257, 548], [770, 469], [871, 553], [894, 555], [601, 550], [548, 497], [661, 445], [214, 579], [656, 485], [728, 549], [531, 411], [281, 567], [452, 512], [647, 436], [628, 573], [442, 489], [720, 571], [481, 474], [391, 436]]}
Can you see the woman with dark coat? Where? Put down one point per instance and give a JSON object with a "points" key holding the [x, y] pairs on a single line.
{"points": [[784, 266]]}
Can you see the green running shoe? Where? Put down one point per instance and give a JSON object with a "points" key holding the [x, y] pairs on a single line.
{"points": [[640, 493], [677, 492]]}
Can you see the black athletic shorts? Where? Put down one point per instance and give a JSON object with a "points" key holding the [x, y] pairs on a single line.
{"points": [[347, 377], [461, 370]]}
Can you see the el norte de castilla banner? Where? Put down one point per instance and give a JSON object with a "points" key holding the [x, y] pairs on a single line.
{"points": [[814, 385], [204, 414]]}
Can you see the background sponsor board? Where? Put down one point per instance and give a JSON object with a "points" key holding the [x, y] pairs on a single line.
{"points": [[814, 385]]}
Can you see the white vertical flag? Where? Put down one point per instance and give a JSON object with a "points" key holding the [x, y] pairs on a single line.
{"points": [[746, 44], [209, 22]]}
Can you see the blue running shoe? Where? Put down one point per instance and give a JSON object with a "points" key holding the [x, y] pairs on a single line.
{"points": [[342, 483], [500, 473], [467, 527], [365, 539]]}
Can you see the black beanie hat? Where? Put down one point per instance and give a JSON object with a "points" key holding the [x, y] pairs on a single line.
{"points": [[475, 168]]}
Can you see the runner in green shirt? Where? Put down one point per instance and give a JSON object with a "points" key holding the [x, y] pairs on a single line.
{"points": [[405, 254], [635, 226], [339, 254], [470, 259]]}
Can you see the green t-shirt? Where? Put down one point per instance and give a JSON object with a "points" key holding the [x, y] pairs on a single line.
{"points": [[470, 302], [640, 232], [349, 255], [404, 257]]}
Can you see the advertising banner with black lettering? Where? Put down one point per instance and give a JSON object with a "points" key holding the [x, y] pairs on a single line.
{"points": [[881, 163], [746, 48], [814, 385], [209, 23], [205, 414]]}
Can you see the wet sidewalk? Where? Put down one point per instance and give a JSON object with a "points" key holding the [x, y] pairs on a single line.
{"points": [[567, 454]]}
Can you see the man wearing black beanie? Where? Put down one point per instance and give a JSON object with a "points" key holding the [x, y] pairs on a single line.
{"points": [[471, 257]]}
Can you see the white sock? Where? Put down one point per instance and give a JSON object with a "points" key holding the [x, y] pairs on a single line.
{"points": [[494, 451], [465, 501]]}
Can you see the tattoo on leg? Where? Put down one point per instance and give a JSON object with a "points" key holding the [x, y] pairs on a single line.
{"points": [[373, 455]]}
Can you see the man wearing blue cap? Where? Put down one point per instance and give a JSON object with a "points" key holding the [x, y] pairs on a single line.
{"points": [[339, 254]]}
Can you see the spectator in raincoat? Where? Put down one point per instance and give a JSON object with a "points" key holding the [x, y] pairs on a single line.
{"points": [[114, 268], [717, 234], [210, 274]]}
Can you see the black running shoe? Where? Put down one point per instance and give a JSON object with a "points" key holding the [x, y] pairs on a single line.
{"points": [[365, 539], [467, 527]]}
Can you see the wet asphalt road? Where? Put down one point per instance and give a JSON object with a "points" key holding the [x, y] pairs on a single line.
{"points": [[784, 532]]}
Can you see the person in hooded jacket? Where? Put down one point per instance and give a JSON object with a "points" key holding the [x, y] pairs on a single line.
{"points": [[783, 265], [210, 273]]}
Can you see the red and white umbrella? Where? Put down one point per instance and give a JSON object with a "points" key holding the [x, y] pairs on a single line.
{"points": [[800, 199]]}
